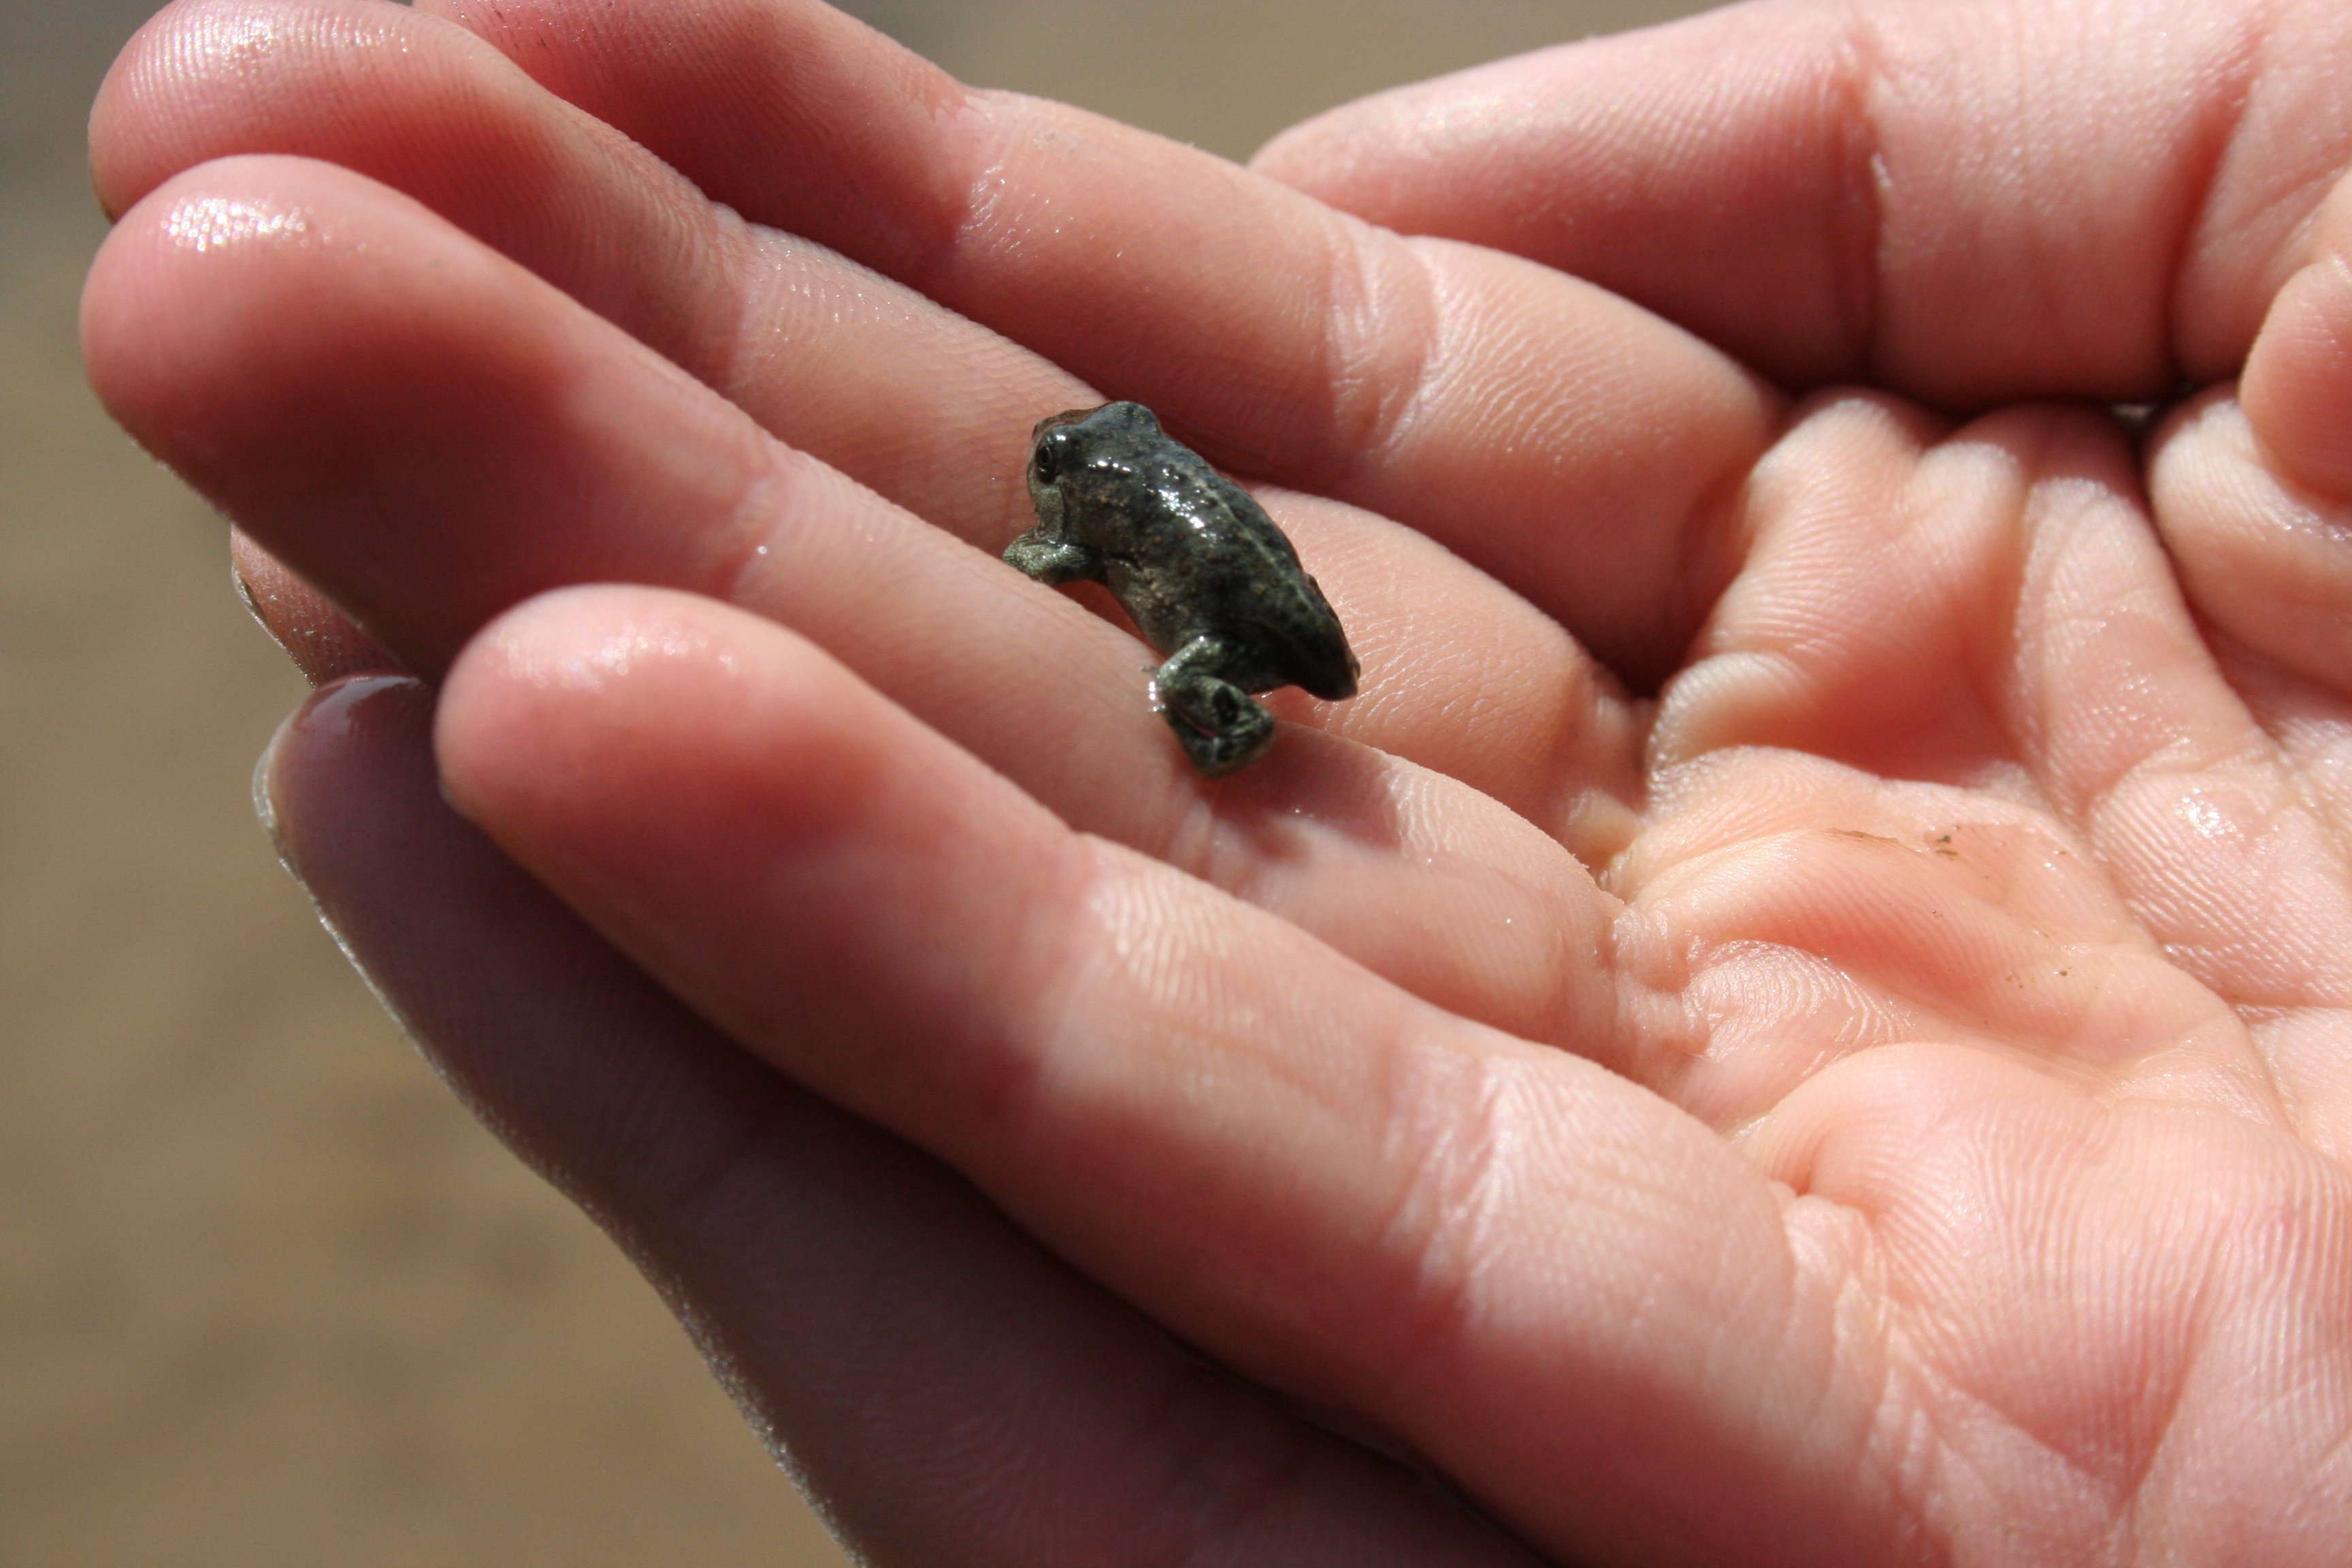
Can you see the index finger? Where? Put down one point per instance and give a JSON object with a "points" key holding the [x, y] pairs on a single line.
{"points": [[1967, 204]]}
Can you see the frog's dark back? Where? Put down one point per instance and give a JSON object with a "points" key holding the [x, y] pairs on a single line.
{"points": [[1187, 551]]}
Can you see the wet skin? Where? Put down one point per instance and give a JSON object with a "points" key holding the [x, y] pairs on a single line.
{"points": [[1209, 580]]}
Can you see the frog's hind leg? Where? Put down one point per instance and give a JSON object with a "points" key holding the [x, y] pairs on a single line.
{"points": [[1221, 727]]}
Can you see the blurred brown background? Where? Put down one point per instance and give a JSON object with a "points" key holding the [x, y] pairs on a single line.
{"points": [[266, 1296]]}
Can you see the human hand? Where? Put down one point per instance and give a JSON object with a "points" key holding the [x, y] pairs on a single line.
{"points": [[1877, 1103]]}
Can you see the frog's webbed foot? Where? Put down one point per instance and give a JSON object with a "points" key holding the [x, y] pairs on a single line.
{"points": [[1052, 561], [1221, 727]]}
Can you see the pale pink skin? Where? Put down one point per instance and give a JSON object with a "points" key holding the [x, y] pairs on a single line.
{"points": [[1887, 1100]]}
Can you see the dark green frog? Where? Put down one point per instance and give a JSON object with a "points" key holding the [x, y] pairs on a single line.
{"points": [[1207, 578]]}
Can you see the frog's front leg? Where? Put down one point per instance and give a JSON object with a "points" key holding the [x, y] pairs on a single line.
{"points": [[1053, 561], [1219, 725]]}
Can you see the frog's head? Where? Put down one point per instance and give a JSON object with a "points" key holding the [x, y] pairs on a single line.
{"points": [[1060, 442]]}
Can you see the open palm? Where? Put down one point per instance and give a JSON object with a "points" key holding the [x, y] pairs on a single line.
{"points": [[1798, 1017]]}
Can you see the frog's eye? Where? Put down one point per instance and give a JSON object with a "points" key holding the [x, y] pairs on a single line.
{"points": [[1046, 462]]}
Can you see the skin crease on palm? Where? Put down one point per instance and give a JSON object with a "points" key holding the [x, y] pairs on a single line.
{"points": [[1800, 1016]]}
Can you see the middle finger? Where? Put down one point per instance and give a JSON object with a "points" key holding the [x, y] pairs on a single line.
{"points": [[1528, 421]]}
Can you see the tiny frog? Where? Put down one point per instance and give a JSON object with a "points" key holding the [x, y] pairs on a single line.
{"points": [[1207, 578]]}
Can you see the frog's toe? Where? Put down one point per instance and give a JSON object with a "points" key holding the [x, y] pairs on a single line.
{"points": [[1223, 751]]}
